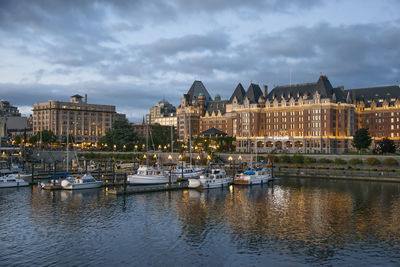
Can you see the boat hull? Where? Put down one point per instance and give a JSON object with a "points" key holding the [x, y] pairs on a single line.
{"points": [[214, 183], [20, 183], [148, 179], [90, 185], [252, 180]]}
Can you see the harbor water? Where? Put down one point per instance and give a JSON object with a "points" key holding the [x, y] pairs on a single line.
{"points": [[296, 222]]}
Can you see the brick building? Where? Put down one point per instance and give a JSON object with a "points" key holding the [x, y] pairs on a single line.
{"points": [[309, 118]]}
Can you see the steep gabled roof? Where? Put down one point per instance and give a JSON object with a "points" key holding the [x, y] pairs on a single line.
{"points": [[239, 93], [197, 88], [215, 106], [376, 93], [322, 86], [253, 93]]}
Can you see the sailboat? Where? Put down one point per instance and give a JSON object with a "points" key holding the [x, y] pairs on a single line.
{"points": [[149, 175], [258, 174], [187, 172]]}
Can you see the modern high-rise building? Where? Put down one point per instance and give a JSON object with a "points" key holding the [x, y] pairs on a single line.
{"points": [[309, 118], [86, 122]]}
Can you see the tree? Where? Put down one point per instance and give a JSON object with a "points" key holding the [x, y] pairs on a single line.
{"points": [[120, 134], [160, 136], [362, 139], [47, 137], [384, 146], [71, 139], [17, 140]]}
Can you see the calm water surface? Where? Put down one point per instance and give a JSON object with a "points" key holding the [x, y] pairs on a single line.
{"points": [[298, 222]]}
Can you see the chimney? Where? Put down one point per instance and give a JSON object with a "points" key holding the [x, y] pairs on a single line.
{"points": [[265, 91], [86, 98]]}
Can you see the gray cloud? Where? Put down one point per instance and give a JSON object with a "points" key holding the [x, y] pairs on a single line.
{"points": [[75, 37]]}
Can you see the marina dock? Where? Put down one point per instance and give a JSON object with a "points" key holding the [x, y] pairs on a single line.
{"points": [[148, 188]]}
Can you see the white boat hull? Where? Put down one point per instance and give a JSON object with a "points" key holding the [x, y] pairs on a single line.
{"points": [[73, 186], [214, 183], [194, 183], [251, 180], [17, 183], [148, 179]]}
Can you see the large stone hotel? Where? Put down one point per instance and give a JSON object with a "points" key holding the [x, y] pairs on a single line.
{"points": [[309, 118]]}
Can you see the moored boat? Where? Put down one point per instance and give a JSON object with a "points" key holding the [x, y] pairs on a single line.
{"points": [[184, 172], [86, 181], [216, 178], [148, 175], [12, 180], [253, 176]]}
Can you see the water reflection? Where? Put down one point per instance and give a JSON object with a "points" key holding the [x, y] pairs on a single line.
{"points": [[316, 219], [299, 221]]}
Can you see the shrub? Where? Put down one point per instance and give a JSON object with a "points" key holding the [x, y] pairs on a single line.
{"points": [[325, 160], [273, 158], [340, 161], [285, 159], [372, 161], [299, 159], [355, 161], [390, 162], [309, 160]]}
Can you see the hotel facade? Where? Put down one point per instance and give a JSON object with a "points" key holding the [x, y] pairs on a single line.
{"points": [[307, 118], [86, 122]]}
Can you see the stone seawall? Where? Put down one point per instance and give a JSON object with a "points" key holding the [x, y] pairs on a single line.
{"points": [[382, 176]]}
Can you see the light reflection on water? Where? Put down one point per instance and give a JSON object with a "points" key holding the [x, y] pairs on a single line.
{"points": [[299, 221]]}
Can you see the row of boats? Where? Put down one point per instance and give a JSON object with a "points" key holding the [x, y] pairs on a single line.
{"points": [[200, 178]]}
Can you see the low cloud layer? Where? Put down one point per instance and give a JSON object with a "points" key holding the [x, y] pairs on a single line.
{"points": [[133, 53]]}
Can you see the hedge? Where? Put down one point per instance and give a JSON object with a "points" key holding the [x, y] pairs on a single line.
{"points": [[355, 161], [372, 161], [299, 159], [285, 159], [390, 162], [309, 160], [340, 161], [325, 160]]}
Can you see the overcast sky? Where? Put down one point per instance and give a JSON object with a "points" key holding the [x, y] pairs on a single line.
{"points": [[131, 54]]}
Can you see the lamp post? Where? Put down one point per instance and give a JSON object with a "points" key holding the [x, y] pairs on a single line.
{"points": [[230, 159]]}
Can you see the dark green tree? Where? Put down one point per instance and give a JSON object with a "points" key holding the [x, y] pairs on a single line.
{"points": [[47, 137], [161, 136], [362, 139], [120, 134], [384, 146], [17, 140], [71, 139]]}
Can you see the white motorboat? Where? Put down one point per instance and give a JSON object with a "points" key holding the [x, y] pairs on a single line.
{"points": [[185, 173], [12, 180], [148, 175], [216, 178], [253, 176], [86, 181]]}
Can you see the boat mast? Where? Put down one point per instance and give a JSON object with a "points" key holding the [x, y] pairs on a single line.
{"points": [[172, 139], [251, 142], [147, 143], [190, 141], [68, 147]]}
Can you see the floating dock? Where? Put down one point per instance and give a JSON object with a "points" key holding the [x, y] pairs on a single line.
{"points": [[129, 189], [52, 187]]}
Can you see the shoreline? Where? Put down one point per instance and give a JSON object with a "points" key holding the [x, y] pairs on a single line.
{"points": [[378, 176]]}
